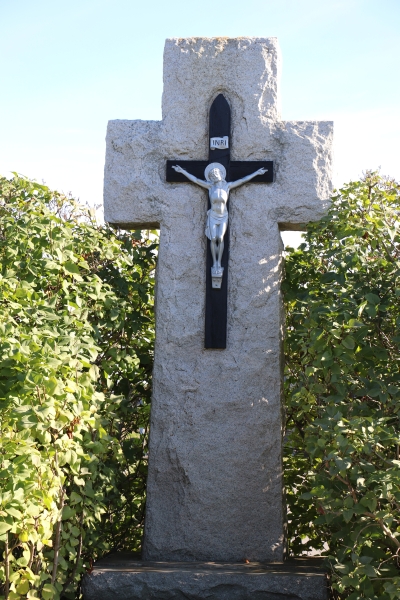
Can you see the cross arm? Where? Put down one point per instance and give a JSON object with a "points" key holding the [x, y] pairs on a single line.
{"points": [[304, 175], [134, 185]]}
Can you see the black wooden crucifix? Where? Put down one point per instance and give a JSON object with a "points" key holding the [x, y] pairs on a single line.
{"points": [[220, 135]]}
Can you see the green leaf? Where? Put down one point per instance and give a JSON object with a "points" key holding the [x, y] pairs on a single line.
{"points": [[348, 515], [48, 591], [328, 277], [369, 570], [372, 298], [75, 498], [71, 267], [349, 342], [67, 513], [13, 512], [4, 527], [22, 588]]}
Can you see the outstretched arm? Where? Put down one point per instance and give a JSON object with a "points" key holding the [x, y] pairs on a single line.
{"points": [[235, 184], [192, 178]]}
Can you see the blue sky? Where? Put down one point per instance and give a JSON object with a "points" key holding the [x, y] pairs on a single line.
{"points": [[68, 67]]}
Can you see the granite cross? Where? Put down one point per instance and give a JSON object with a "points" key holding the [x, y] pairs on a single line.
{"points": [[219, 152], [215, 490]]}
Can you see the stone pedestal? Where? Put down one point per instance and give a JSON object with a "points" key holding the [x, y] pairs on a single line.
{"points": [[121, 577]]}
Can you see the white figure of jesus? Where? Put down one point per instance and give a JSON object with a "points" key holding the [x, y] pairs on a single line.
{"points": [[217, 215]]}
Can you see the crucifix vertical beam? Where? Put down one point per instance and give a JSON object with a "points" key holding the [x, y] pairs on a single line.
{"points": [[217, 298]]}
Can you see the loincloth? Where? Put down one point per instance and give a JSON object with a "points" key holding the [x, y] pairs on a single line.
{"points": [[214, 219]]}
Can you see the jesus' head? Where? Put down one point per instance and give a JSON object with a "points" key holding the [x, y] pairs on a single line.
{"points": [[215, 172], [215, 175]]}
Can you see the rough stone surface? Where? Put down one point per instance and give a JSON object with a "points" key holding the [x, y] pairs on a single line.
{"points": [[215, 465], [122, 578]]}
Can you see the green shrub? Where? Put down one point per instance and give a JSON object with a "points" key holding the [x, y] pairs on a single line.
{"points": [[342, 462], [76, 339]]}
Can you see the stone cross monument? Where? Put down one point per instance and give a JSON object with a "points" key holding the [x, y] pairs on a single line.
{"points": [[215, 490]]}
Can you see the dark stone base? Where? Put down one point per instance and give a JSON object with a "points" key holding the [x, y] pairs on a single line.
{"points": [[123, 577]]}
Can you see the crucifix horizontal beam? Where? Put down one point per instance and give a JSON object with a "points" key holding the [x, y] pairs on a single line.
{"points": [[238, 169]]}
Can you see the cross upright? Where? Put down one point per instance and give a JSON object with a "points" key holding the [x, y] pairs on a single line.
{"points": [[215, 489]]}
